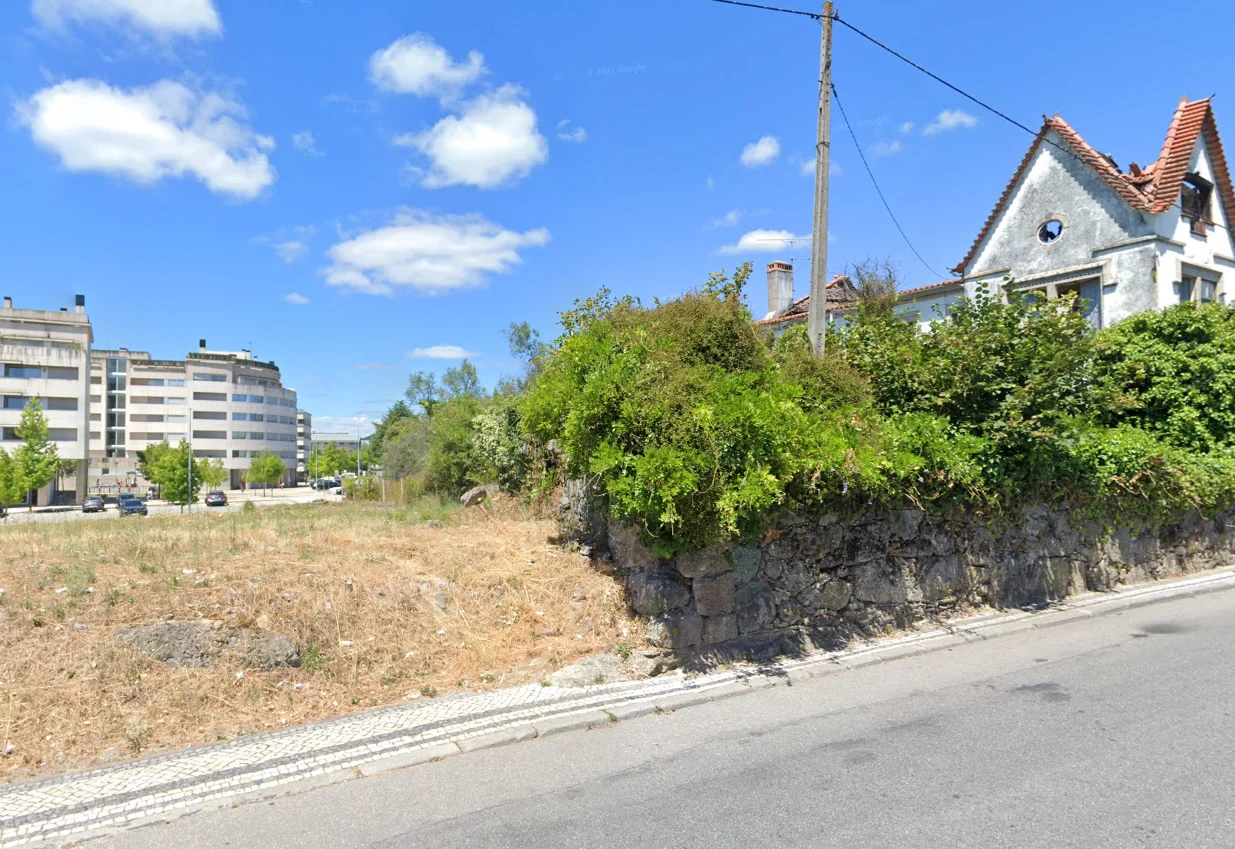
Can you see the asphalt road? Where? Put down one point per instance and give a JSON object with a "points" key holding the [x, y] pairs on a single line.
{"points": [[1113, 732]]}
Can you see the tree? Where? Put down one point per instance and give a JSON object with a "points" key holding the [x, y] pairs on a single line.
{"points": [[266, 469], [37, 460], [526, 346], [171, 473], [398, 412], [406, 448], [423, 389], [213, 474], [461, 382], [12, 489], [332, 459], [148, 459]]}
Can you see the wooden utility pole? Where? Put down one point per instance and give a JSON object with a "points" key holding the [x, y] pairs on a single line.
{"points": [[817, 325]]}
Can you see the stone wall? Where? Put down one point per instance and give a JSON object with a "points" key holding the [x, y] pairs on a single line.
{"points": [[835, 578]]}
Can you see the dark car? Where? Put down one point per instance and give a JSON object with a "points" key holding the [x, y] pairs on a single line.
{"points": [[93, 504], [131, 505], [216, 499]]}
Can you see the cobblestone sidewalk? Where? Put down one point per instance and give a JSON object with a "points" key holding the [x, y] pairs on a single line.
{"points": [[397, 736]]}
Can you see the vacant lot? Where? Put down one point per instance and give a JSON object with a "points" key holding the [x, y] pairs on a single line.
{"points": [[382, 605]]}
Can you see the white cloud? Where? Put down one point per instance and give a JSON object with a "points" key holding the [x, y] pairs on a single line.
{"points": [[884, 148], [295, 298], [729, 219], [442, 352], [304, 142], [492, 142], [577, 134], [907, 127], [761, 152], [416, 64], [427, 253], [146, 134], [158, 17], [290, 250], [950, 119], [766, 241], [711, 184]]}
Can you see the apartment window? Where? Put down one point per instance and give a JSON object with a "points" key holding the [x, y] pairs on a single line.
{"points": [[240, 417], [96, 381], [206, 414], [15, 402], [1195, 198], [256, 417], [29, 372], [115, 451], [210, 434], [175, 399], [209, 396], [96, 399], [94, 434], [240, 434], [96, 417], [240, 398], [209, 454], [210, 377], [60, 404], [179, 419], [9, 434], [115, 420], [61, 373], [256, 399]]}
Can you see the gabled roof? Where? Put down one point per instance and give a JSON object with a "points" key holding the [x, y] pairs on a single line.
{"points": [[801, 307], [1154, 188]]}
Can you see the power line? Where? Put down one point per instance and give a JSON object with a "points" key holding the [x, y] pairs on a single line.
{"points": [[875, 183], [814, 15]]}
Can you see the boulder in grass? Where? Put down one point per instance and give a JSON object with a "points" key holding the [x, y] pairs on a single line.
{"points": [[206, 643]]}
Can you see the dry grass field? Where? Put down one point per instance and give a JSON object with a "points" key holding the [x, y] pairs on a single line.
{"points": [[383, 607]]}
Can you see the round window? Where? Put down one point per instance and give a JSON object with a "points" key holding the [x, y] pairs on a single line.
{"points": [[1050, 231]]}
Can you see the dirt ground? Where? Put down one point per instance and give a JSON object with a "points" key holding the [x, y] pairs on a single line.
{"points": [[385, 605]]}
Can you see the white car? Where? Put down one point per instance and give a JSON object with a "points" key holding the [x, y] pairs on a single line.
{"points": [[338, 490]]}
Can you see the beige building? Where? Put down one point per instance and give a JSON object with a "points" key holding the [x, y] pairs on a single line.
{"points": [[304, 444], [46, 355], [231, 406]]}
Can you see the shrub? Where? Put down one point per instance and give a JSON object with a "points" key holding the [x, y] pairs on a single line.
{"points": [[1173, 373]]}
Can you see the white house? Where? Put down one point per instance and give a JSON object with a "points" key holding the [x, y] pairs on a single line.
{"points": [[1072, 221]]}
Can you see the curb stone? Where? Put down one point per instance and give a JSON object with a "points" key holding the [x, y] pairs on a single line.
{"points": [[405, 735]]}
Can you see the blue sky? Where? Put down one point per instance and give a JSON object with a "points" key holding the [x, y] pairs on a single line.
{"points": [[357, 190]]}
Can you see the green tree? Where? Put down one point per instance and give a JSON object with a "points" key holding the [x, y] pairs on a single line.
{"points": [[214, 475], [37, 459], [423, 389], [406, 448], [171, 473], [148, 459], [461, 382], [266, 469], [399, 412], [12, 489]]}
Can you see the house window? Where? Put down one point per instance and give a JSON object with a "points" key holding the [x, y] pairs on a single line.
{"points": [[1193, 288], [1195, 198], [1050, 231]]}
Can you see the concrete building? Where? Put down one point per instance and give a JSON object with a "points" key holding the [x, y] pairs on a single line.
{"points": [[231, 406], [304, 444], [1071, 221], [46, 355]]}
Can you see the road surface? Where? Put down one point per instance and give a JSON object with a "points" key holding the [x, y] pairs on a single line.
{"points": [[235, 501], [1109, 733]]}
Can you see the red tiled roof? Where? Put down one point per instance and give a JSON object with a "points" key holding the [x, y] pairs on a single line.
{"points": [[1155, 188], [801, 306]]}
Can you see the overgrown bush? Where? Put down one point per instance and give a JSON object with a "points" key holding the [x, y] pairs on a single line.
{"points": [[698, 430]]}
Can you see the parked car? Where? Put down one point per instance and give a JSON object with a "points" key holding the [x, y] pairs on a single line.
{"points": [[131, 505], [336, 490], [93, 504], [216, 499]]}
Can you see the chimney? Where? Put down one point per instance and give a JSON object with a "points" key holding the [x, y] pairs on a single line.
{"points": [[201, 345], [8, 302], [780, 288], [79, 301]]}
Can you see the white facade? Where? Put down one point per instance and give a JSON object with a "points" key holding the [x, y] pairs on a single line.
{"points": [[230, 406], [46, 355], [304, 444], [1123, 242]]}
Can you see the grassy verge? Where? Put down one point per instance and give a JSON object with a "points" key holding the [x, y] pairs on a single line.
{"points": [[383, 606]]}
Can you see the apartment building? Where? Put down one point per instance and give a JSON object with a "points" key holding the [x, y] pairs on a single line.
{"points": [[231, 406], [46, 355], [304, 444]]}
